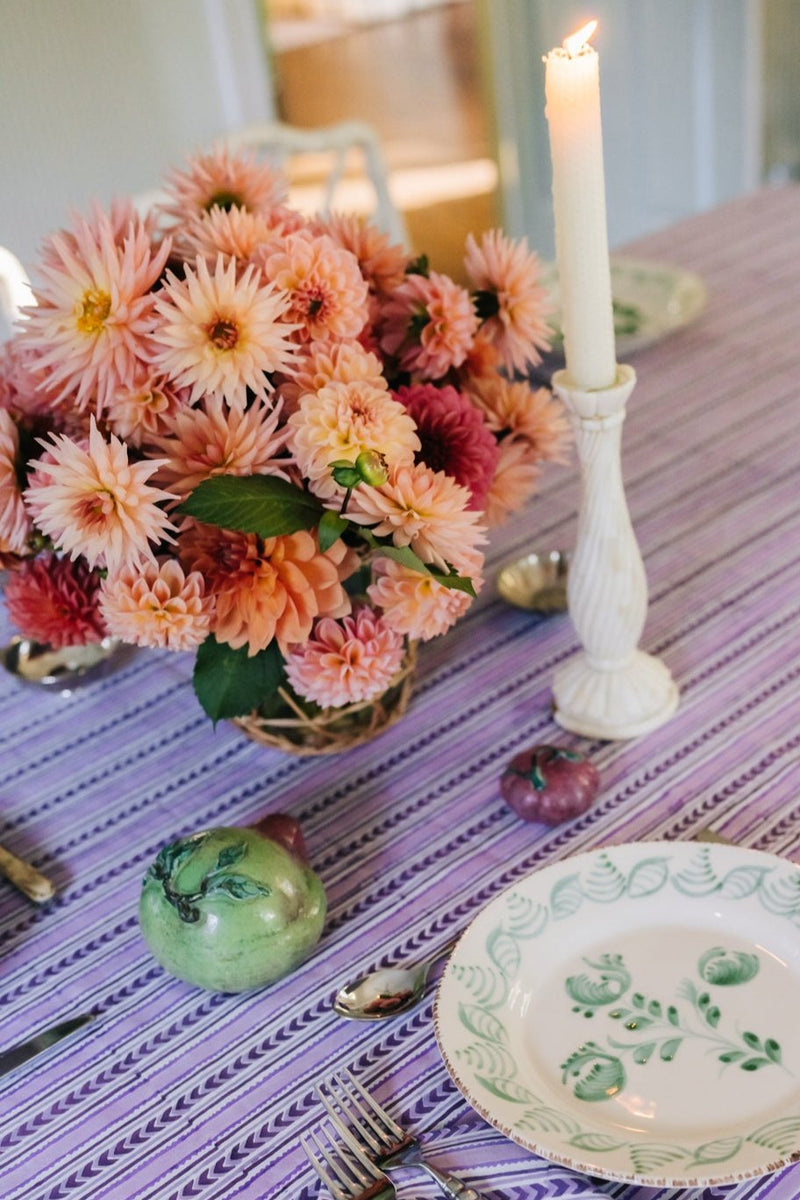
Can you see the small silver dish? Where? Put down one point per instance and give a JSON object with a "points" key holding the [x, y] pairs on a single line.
{"points": [[38, 663], [536, 582]]}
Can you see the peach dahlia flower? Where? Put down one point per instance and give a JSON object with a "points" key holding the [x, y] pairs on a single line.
{"points": [[266, 588], [157, 605], [429, 324], [423, 509], [95, 502], [220, 333], [339, 422], [415, 604], [510, 273], [15, 523], [328, 297]]}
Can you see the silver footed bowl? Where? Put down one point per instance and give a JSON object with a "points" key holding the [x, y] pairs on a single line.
{"points": [[36, 662]]}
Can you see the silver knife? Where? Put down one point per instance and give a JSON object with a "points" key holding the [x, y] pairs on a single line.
{"points": [[15, 1056]]}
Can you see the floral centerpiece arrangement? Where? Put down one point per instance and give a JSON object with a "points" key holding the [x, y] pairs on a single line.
{"points": [[272, 440]]}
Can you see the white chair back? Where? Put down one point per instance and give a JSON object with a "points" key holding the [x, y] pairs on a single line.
{"points": [[330, 153]]}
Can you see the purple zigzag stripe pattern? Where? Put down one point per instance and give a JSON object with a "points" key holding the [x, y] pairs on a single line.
{"points": [[176, 1094]]}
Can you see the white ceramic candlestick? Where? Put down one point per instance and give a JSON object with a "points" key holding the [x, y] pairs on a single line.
{"points": [[611, 690]]}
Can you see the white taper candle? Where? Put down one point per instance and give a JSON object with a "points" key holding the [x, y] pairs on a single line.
{"points": [[572, 89]]}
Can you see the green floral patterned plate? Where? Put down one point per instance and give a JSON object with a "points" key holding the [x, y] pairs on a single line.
{"points": [[650, 300], [632, 1013]]}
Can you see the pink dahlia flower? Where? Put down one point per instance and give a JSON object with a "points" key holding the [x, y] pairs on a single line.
{"points": [[140, 412], [213, 439], [236, 232], [339, 422], [423, 509], [515, 481], [266, 588], [454, 435], [532, 414], [220, 333], [157, 605], [95, 502], [91, 323], [328, 297], [15, 523], [223, 179], [428, 324], [382, 264], [507, 276], [55, 601], [414, 604], [347, 661]]}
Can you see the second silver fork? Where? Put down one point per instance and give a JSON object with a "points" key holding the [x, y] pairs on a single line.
{"points": [[376, 1139]]}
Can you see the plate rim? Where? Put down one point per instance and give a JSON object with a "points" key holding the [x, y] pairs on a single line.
{"points": [[686, 849], [685, 280]]}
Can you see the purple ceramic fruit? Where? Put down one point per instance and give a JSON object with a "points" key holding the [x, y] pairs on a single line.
{"points": [[546, 783]]}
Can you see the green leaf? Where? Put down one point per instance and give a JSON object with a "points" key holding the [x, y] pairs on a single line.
{"points": [[772, 1049], [712, 1016], [229, 855], [238, 887], [230, 684], [642, 1053], [669, 1049], [461, 583], [752, 1040], [637, 1000], [261, 504], [673, 1016], [754, 1064], [404, 555], [331, 528], [729, 1056]]}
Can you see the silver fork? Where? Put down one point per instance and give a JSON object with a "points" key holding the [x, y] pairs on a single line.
{"points": [[354, 1180], [378, 1141]]}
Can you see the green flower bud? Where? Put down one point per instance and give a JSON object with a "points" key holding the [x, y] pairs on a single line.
{"points": [[372, 468]]}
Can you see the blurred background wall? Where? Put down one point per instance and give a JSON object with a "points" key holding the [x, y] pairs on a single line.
{"points": [[100, 97]]}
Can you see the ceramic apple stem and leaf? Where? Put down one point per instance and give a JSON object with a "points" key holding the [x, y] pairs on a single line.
{"points": [[596, 1071], [230, 683]]}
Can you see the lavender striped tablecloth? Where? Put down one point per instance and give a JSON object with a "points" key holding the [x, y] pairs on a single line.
{"points": [[175, 1093]]}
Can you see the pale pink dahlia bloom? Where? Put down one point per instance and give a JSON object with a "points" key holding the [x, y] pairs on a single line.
{"points": [[516, 480], [328, 297], [265, 588], [95, 502], [533, 414], [140, 412], [347, 661], [15, 522], [423, 509], [339, 422], [55, 601], [415, 604], [454, 436], [428, 324], [156, 605], [213, 439], [236, 232], [382, 263], [319, 363], [220, 333], [224, 179], [91, 323], [508, 274]]}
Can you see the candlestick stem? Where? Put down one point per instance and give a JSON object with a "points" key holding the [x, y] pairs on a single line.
{"points": [[611, 689]]}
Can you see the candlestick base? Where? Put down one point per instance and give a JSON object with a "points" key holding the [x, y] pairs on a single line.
{"points": [[611, 689], [614, 702]]}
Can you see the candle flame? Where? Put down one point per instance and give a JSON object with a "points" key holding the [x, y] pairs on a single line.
{"points": [[576, 41]]}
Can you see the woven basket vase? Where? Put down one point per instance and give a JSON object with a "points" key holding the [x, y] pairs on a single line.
{"points": [[332, 730]]}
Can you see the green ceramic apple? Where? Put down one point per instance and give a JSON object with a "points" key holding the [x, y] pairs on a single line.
{"points": [[231, 909]]}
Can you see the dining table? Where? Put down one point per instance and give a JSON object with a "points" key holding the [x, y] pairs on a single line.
{"points": [[172, 1092]]}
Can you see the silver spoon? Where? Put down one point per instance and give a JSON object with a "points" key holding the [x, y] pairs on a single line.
{"points": [[388, 991]]}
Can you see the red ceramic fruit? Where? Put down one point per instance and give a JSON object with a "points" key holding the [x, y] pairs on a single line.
{"points": [[546, 783], [282, 828]]}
